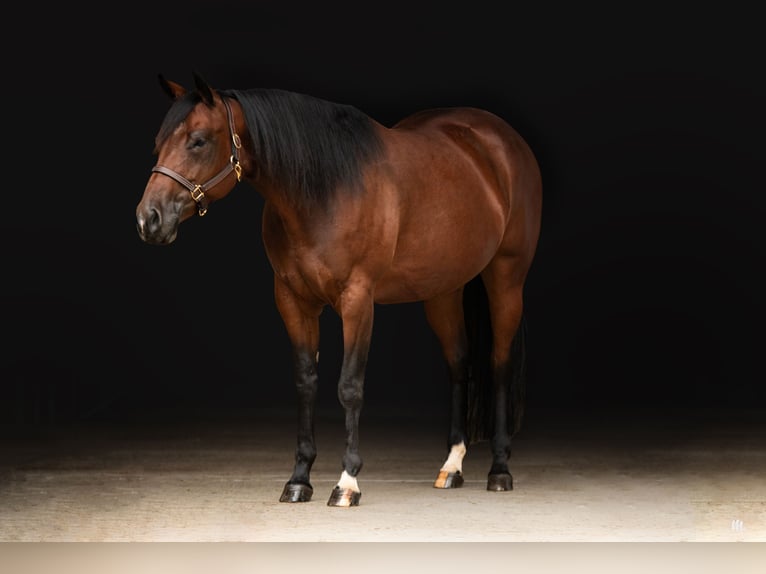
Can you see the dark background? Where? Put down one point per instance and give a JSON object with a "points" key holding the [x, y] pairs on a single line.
{"points": [[647, 122]]}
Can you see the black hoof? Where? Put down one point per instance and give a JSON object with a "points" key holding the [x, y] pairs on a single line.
{"points": [[499, 482], [448, 480], [296, 493], [344, 497]]}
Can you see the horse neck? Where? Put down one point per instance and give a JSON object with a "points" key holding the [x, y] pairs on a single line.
{"points": [[293, 212], [294, 215]]}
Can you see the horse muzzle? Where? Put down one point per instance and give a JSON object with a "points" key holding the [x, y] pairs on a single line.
{"points": [[155, 228]]}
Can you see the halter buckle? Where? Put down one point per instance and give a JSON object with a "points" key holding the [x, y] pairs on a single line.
{"points": [[237, 168], [198, 195]]}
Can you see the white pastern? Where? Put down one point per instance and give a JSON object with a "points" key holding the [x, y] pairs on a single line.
{"points": [[348, 481], [454, 462]]}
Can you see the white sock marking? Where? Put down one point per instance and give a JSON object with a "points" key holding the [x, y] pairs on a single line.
{"points": [[454, 462], [348, 481]]}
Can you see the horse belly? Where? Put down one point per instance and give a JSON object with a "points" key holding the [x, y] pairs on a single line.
{"points": [[439, 260], [398, 286]]}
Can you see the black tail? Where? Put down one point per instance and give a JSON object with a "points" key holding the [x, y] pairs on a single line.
{"points": [[480, 410]]}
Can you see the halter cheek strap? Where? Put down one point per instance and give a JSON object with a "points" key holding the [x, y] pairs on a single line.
{"points": [[198, 190]]}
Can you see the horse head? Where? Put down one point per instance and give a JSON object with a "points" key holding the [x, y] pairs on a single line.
{"points": [[197, 150]]}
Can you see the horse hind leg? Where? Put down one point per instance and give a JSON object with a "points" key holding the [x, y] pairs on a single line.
{"points": [[504, 291], [445, 317]]}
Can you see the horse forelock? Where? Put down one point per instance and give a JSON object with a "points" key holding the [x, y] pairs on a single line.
{"points": [[177, 113], [311, 147]]}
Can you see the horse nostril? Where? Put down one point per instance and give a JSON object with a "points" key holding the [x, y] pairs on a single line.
{"points": [[154, 221], [148, 223]]}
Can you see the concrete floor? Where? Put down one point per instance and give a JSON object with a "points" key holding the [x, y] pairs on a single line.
{"points": [[696, 477]]}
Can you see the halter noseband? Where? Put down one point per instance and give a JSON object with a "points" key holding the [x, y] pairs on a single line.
{"points": [[197, 190]]}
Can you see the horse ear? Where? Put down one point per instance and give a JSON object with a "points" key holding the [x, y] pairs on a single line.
{"points": [[172, 89], [203, 88]]}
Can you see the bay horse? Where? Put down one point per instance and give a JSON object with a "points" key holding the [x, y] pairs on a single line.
{"points": [[443, 208]]}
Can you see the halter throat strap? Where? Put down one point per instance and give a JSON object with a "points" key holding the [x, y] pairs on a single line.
{"points": [[198, 190]]}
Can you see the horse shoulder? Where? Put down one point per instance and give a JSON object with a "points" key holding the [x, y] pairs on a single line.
{"points": [[320, 256]]}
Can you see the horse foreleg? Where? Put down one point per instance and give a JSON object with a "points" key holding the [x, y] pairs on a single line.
{"points": [[298, 488], [356, 311], [303, 329], [446, 318]]}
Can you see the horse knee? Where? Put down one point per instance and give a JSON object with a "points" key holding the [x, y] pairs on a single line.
{"points": [[306, 377], [350, 393]]}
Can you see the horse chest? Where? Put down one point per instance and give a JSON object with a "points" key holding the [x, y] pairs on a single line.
{"points": [[317, 258]]}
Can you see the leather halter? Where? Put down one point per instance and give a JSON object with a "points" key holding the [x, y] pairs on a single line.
{"points": [[198, 190]]}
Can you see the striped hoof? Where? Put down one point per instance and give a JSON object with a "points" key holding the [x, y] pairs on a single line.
{"points": [[499, 482], [448, 479], [344, 497], [296, 493]]}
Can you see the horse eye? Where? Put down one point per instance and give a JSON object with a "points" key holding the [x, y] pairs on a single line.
{"points": [[198, 142]]}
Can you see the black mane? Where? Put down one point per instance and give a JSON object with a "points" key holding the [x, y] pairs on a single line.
{"points": [[311, 146]]}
